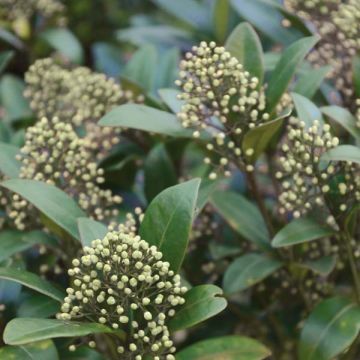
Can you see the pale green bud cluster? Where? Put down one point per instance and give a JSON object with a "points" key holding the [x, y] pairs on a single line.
{"points": [[55, 154], [12, 10], [122, 282], [303, 183], [76, 95], [222, 99]]}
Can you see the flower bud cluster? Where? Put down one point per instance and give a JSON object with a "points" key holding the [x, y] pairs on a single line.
{"points": [[303, 183], [54, 153], [12, 10], [122, 282], [76, 95], [220, 99], [337, 22]]}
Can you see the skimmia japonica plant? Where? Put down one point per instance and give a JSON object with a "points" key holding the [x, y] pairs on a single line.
{"points": [[183, 184]]}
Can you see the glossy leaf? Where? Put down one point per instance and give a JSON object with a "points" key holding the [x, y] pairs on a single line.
{"points": [[356, 74], [243, 216], [323, 266], [90, 230], [247, 271], [344, 118], [53, 202], [12, 242], [64, 41], [300, 231], [244, 44], [286, 68], [308, 84], [9, 166], [221, 16], [32, 281], [225, 348], [201, 303], [343, 153], [42, 350], [25, 330], [38, 306], [306, 110], [330, 329], [266, 17], [159, 172], [168, 220], [5, 58], [169, 96], [141, 117]]}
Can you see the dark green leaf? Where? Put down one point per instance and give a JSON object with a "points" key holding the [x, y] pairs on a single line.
{"points": [[306, 110], [5, 57], [343, 153], [324, 266], [32, 281], [82, 353], [53, 202], [9, 166], [300, 231], [168, 63], [286, 68], [169, 96], [145, 118], [344, 118], [11, 92], [168, 220], [38, 306], [309, 83], [42, 350], [243, 216], [244, 44], [90, 230], [221, 15], [201, 303], [330, 329], [25, 330], [225, 348], [247, 271], [159, 172], [65, 42], [356, 73]]}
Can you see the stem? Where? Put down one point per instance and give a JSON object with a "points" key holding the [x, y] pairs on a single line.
{"points": [[260, 201], [347, 238]]}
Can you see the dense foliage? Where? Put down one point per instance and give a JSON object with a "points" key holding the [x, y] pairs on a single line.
{"points": [[180, 179]]}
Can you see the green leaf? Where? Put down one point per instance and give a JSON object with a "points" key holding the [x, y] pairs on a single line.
{"points": [[330, 329], [306, 110], [286, 68], [142, 67], [168, 63], [25, 330], [169, 97], [221, 16], [266, 17], [81, 353], [260, 136], [300, 231], [309, 83], [32, 281], [323, 266], [141, 117], [38, 306], [342, 153], [201, 303], [344, 118], [356, 73], [53, 202], [247, 271], [5, 58], [9, 166], [90, 230], [65, 42], [244, 44], [168, 220], [225, 348], [42, 350], [159, 172], [243, 216], [13, 242], [11, 93]]}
